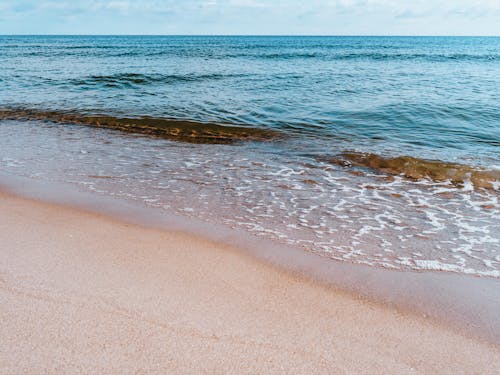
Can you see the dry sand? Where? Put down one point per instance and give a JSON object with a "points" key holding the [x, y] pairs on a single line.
{"points": [[83, 293]]}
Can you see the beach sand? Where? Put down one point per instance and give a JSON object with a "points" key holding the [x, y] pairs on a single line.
{"points": [[84, 293]]}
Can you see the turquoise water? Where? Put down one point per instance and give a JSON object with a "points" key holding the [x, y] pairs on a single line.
{"points": [[376, 150], [430, 97]]}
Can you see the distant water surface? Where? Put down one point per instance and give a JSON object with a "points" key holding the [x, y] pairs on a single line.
{"points": [[375, 150]]}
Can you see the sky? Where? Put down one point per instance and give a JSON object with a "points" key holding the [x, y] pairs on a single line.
{"points": [[254, 17]]}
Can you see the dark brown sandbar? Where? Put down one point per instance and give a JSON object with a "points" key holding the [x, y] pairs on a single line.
{"points": [[179, 130], [417, 169]]}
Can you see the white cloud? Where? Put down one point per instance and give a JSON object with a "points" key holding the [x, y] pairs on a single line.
{"points": [[257, 16]]}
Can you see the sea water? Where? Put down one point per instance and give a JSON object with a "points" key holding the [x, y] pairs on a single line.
{"points": [[375, 150]]}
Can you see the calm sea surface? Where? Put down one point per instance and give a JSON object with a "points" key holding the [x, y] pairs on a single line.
{"points": [[374, 150]]}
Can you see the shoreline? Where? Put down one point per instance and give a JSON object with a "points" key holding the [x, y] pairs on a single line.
{"points": [[367, 217], [463, 303], [84, 292]]}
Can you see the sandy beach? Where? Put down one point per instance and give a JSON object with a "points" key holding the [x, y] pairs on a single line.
{"points": [[83, 293]]}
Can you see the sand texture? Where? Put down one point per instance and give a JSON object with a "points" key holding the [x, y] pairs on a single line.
{"points": [[83, 293]]}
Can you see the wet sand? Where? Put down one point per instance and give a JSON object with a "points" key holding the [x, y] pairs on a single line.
{"points": [[84, 293]]}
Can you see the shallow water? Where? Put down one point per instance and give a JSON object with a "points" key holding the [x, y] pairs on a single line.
{"points": [[369, 218], [299, 140]]}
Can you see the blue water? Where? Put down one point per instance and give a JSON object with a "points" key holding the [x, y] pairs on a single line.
{"points": [[375, 150], [431, 97]]}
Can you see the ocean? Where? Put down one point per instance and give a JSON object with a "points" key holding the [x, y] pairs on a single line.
{"points": [[381, 151]]}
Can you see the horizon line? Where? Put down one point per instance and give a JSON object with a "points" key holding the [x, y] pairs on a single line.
{"points": [[271, 35]]}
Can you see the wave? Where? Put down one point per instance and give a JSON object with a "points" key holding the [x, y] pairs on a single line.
{"points": [[377, 56], [331, 55], [122, 80], [409, 167], [434, 57], [418, 169], [321, 53], [179, 130]]}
